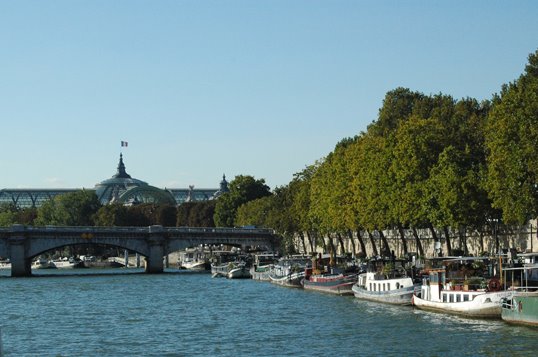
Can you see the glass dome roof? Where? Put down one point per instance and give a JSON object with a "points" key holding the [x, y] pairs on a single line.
{"points": [[122, 188]]}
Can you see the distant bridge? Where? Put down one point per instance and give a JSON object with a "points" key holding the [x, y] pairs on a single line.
{"points": [[21, 243]]}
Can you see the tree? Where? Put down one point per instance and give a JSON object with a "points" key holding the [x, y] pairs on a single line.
{"points": [[242, 189], [69, 209], [112, 215], [7, 215], [196, 214], [511, 140], [255, 212]]}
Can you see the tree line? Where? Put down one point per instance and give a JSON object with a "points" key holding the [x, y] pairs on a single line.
{"points": [[427, 161]]}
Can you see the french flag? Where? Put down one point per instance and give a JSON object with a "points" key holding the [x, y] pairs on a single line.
{"points": [[124, 144]]}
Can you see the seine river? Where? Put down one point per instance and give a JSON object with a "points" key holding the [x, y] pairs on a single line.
{"points": [[115, 313]]}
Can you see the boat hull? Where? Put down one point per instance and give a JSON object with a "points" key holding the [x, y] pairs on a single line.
{"points": [[291, 280], [339, 285], [483, 305], [239, 273], [195, 266], [522, 309], [401, 296], [261, 273], [220, 271]]}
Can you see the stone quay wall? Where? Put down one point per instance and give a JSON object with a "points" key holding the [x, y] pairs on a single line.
{"points": [[521, 238]]}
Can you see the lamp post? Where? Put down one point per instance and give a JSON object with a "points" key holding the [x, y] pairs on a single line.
{"points": [[495, 235]]}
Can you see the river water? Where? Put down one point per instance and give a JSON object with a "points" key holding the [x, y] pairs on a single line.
{"points": [[120, 313]]}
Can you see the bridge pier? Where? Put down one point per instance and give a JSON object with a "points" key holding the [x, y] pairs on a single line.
{"points": [[154, 260], [20, 264]]}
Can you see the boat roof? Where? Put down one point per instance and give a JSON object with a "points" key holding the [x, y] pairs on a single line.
{"points": [[530, 254], [524, 267]]}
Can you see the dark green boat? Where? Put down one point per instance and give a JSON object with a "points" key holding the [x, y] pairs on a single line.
{"points": [[521, 308]]}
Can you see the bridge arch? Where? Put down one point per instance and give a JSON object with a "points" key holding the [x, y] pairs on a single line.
{"points": [[21, 243]]}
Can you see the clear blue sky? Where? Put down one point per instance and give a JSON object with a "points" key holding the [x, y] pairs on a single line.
{"points": [[201, 88]]}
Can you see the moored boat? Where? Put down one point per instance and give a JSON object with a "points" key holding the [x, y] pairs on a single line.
{"points": [[521, 306], [449, 289], [42, 263], [385, 281], [262, 265], [289, 271], [329, 278], [68, 263], [221, 263], [195, 259], [5, 264], [239, 270], [339, 284]]}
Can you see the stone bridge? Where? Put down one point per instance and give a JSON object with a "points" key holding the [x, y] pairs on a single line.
{"points": [[22, 243]]}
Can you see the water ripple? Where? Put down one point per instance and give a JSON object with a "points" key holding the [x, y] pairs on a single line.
{"points": [[195, 315]]}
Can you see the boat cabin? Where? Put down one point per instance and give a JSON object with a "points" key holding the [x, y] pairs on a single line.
{"points": [[385, 275], [263, 259], [459, 279]]}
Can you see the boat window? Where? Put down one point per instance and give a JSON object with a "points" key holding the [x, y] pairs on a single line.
{"points": [[458, 298], [451, 298], [371, 287], [444, 297], [466, 297], [397, 285], [383, 287], [388, 286]]}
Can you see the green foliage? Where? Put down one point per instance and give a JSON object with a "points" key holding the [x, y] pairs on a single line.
{"points": [[511, 139], [255, 212], [196, 214], [242, 190], [10, 214], [112, 215], [7, 215], [70, 209]]}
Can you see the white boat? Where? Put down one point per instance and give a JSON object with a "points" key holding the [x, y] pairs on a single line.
{"points": [[219, 270], [385, 281], [221, 264], [289, 271], [240, 270], [67, 263], [42, 263], [194, 259], [194, 265], [262, 266], [476, 296], [5, 264]]}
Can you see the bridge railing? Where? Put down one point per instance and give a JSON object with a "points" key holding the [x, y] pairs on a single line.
{"points": [[219, 230], [132, 229]]}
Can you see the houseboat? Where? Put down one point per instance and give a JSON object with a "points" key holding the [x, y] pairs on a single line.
{"points": [[289, 271], [521, 305], [387, 281], [262, 265], [462, 286], [329, 275]]}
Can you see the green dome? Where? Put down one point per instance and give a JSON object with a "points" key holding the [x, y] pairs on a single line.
{"points": [[146, 194], [122, 188]]}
